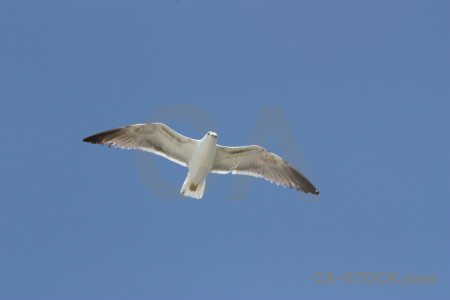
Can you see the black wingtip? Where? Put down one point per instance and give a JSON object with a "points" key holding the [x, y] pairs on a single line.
{"points": [[310, 191], [93, 139], [302, 183], [102, 137]]}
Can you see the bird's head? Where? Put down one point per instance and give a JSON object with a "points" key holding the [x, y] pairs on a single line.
{"points": [[211, 134]]}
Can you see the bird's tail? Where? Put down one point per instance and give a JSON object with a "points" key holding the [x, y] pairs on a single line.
{"points": [[192, 188]]}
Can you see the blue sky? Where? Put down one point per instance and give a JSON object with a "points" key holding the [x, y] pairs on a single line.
{"points": [[362, 85]]}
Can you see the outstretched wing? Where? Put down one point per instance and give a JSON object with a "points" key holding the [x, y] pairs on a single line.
{"points": [[152, 137], [257, 161]]}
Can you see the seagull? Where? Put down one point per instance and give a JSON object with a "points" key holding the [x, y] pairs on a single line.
{"points": [[204, 156]]}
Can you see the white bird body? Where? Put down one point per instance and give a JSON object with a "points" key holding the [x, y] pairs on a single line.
{"points": [[200, 165], [204, 156]]}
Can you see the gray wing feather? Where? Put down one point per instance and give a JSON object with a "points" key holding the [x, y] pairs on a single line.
{"points": [[152, 137], [258, 162]]}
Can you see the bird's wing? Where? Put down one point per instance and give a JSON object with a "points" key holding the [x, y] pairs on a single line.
{"points": [[257, 161], [152, 137]]}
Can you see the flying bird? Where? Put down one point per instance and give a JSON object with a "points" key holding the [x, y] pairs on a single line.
{"points": [[204, 156]]}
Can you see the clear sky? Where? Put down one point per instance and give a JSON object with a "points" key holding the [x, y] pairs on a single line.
{"points": [[362, 87]]}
